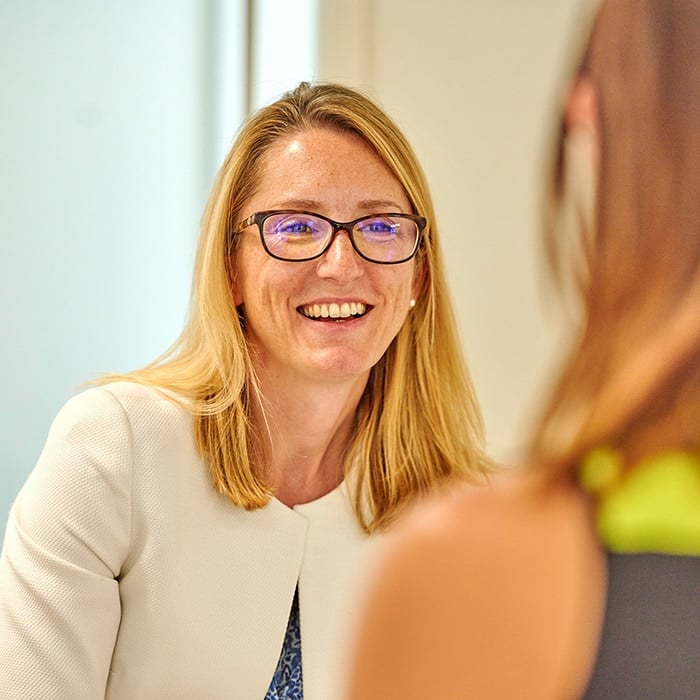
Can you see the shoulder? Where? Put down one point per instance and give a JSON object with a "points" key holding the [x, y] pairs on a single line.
{"points": [[83, 481], [120, 405], [95, 430], [474, 575], [135, 396], [484, 543], [487, 519], [110, 425]]}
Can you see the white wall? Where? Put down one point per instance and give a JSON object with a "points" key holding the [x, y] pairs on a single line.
{"points": [[107, 151], [474, 84], [284, 47]]}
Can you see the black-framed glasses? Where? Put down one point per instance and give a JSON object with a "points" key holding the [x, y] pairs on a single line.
{"points": [[296, 236]]}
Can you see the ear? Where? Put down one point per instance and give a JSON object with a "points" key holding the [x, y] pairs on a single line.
{"points": [[237, 296], [235, 287], [581, 107]]}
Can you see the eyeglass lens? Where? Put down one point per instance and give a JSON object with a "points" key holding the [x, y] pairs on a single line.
{"points": [[299, 236]]}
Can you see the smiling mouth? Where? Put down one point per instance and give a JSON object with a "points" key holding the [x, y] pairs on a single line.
{"points": [[334, 312]]}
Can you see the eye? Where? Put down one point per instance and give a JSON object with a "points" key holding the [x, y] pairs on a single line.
{"points": [[294, 227], [379, 228]]}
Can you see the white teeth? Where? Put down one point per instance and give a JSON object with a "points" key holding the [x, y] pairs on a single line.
{"points": [[333, 310]]}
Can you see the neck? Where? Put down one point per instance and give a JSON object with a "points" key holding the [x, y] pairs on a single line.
{"points": [[305, 432]]}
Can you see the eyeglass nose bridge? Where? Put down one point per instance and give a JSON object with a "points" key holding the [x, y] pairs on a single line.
{"points": [[336, 228]]}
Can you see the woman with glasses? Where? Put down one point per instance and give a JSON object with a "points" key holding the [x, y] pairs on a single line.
{"points": [[196, 529], [580, 576]]}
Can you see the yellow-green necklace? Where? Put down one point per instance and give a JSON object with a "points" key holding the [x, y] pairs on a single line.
{"points": [[654, 507]]}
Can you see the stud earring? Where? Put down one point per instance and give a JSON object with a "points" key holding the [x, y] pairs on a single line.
{"points": [[411, 303]]}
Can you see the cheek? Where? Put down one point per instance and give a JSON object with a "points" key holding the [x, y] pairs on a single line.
{"points": [[398, 291], [406, 285], [265, 285]]}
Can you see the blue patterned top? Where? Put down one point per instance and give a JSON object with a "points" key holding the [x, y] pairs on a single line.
{"points": [[287, 682]]}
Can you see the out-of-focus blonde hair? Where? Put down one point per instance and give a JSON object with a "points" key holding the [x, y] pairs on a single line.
{"points": [[418, 422], [632, 380]]}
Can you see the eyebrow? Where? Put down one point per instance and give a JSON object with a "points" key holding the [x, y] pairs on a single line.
{"points": [[313, 205]]}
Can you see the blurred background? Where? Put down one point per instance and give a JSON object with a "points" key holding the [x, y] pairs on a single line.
{"points": [[114, 118]]}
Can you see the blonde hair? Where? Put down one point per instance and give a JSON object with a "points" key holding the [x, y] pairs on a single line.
{"points": [[417, 423], [632, 380]]}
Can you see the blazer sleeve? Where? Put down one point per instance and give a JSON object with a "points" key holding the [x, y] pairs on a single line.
{"points": [[66, 539]]}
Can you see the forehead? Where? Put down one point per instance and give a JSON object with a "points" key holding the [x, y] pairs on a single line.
{"points": [[308, 140], [322, 162]]}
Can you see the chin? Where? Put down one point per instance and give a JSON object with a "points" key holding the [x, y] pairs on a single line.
{"points": [[343, 367]]}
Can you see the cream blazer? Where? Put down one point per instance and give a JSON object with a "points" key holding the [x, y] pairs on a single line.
{"points": [[125, 575]]}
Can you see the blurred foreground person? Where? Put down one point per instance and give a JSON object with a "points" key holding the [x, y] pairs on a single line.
{"points": [[579, 575]]}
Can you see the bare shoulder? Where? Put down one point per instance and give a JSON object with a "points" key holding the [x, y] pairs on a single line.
{"points": [[486, 519], [468, 578]]}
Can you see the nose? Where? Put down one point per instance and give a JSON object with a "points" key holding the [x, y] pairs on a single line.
{"points": [[340, 261]]}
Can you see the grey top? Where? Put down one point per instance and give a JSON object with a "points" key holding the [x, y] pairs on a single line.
{"points": [[650, 644]]}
